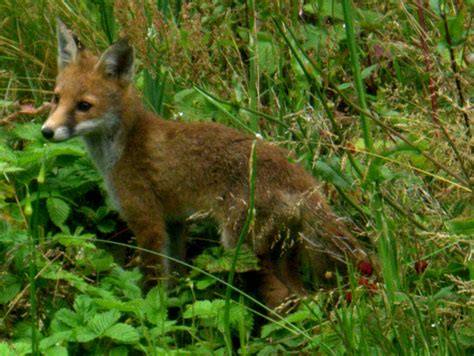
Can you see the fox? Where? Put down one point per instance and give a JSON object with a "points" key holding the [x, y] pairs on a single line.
{"points": [[160, 172]]}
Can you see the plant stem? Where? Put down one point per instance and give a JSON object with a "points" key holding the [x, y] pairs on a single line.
{"points": [[432, 87], [349, 23], [455, 70], [242, 236], [254, 83]]}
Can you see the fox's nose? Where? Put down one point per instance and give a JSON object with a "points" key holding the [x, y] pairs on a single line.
{"points": [[47, 132]]}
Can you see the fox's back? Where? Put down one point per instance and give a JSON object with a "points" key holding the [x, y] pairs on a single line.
{"points": [[196, 166]]}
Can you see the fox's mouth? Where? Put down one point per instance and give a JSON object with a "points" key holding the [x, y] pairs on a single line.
{"points": [[65, 132], [62, 133]]}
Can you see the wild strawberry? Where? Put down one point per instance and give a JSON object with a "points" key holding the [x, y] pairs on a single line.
{"points": [[365, 267], [372, 287], [348, 297], [420, 266]]}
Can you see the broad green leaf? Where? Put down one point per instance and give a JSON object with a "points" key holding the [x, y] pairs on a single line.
{"points": [[56, 351], [73, 240], [155, 305], [65, 149], [6, 349], [205, 283], [119, 351], [10, 286], [28, 131], [202, 309], [68, 317], [218, 259], [103, 321], [238, 314], [123, 332], [6, 104], [58, 210], [267, 54], [84, 334], [192, 106], [55, 339], [84, 307]]}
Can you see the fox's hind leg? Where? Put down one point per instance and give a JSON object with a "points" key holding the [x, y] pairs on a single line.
{"points": [[272, 289], [289, 271]]}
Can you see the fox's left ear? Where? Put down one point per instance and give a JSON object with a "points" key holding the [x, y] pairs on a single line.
{"points": [[117, 60]]}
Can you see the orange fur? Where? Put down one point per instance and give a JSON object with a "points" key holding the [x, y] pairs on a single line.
{"points": [[160, 172]]}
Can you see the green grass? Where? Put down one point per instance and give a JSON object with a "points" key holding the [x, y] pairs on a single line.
{"points": [[346, 87]]}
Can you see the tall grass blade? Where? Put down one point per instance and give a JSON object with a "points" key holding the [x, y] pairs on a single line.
{"points": [[349, 24], [243, 234]]}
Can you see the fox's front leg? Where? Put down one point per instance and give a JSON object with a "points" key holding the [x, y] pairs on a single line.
{"points": [[149, 228], [151, 236]]}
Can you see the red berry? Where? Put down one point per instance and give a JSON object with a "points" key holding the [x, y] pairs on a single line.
{"points": [[365, 267], [348, 297], [372, 287], [420, 266]]}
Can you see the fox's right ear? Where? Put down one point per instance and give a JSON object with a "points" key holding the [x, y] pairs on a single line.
{"points": [[67, 45]]}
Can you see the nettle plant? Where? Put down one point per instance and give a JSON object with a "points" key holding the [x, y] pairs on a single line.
{"points": [[51, 192]]}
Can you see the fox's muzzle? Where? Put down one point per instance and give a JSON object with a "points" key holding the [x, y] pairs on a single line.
{"points": [[47, 133]]}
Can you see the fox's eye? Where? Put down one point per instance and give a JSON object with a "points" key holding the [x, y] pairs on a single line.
{"points": [[55, 99], [83, 106]]}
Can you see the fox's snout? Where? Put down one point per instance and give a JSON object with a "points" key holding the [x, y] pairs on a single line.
{"points": [[60, 133], [47, 132]]}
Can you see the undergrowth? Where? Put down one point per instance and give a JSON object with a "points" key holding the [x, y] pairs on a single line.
{"points": [[372, 98]]}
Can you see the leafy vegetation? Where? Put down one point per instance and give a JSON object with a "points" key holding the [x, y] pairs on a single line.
{"points": [[372, 97]]}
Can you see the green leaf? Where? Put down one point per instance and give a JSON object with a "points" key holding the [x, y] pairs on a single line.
{"points": [[218, 259], [10, 287], [58, 210], [124, 333], [202, 309], [55, 339], [297, 316], [155, 305], [326, 8], [28, 131], [84, 308], [103, 321], [56, 351], [267, 54], [84, 334], [6, 349], [70, 148], [332, 174], [68, 317], [443, 293], [463, 226], [192, 106], [119, 351], [205, 283], [74, 240], [367, 71]]}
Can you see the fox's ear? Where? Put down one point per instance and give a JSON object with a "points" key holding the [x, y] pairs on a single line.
{"points": [[68, 46], [117, 60]]}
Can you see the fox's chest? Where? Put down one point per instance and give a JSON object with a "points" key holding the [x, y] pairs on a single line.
{"points": [[105, 152]]}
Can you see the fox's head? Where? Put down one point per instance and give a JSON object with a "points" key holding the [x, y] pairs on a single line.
{"points": [[88, 89]]}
